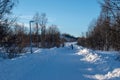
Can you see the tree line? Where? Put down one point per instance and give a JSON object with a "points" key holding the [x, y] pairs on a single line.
{"points": [[15, 37], [104, 33]]}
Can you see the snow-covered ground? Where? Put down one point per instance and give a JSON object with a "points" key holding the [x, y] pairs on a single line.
{"points": [[62, 64]]}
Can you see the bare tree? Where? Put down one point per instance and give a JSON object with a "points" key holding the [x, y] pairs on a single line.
{"points": [[36, 18], [40, 28], [5, 9], [43, 22], [114, 8], [53, 36]]}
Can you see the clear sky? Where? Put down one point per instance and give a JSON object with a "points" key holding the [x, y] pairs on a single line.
{"points": [[71, 16]]}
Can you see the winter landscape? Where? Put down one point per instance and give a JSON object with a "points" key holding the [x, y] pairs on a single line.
{"points": [[60, 40], [62, 64]]}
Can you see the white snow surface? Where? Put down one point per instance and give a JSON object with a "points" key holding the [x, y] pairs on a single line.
{"points": [[109, 75], [62, 64], [89, 56]]}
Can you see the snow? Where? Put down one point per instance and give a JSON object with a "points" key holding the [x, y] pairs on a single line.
{"points": [[62, 64], [89, 56], [109, 75]]}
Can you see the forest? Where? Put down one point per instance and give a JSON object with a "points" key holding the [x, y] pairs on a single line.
{"points": [[104, 32]]}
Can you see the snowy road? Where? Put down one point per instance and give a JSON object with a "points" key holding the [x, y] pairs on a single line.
{"points": [[61, 64]]}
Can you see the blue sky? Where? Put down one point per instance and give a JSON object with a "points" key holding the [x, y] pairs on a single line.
{"points": [[71, 16]]}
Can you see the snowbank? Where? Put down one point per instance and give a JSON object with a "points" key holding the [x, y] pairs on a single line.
{"points": [[110, 75], [83, 51], [88, 55], [91, 58]]}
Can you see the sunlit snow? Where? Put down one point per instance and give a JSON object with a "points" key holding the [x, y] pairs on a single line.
{"points": [[62, 63]]}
